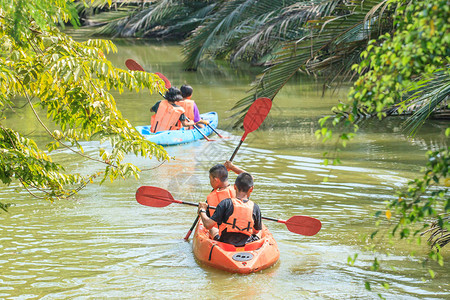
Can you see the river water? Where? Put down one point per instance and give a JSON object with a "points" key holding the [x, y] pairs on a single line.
{"points": [[103, 244]]}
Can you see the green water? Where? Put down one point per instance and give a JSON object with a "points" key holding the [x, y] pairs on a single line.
{"points": [[103, 244]]}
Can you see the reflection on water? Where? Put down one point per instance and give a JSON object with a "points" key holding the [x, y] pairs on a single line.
{"points": [[104, 244]]}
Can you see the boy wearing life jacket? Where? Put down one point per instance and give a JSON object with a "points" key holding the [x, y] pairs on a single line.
{"points": [[168, 115], [218, 178], [190, 107], [238, 218]]}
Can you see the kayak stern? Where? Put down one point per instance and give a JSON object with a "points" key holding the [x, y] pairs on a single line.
{"points": [[253, 257]]}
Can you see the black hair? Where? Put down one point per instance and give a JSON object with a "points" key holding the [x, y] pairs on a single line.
{"points": [[173, 94], [244, 182], [186, 91], [219, 171]]}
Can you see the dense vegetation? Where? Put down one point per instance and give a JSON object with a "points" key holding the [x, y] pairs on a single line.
{"points": [[66, 84]]}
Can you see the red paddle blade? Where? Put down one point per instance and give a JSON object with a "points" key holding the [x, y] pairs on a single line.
{"points": [[256, 114], [153, 196], [166, 81], [133, 65], [303, 225]]}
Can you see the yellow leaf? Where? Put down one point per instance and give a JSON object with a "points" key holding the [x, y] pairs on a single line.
{"points": [[447, 182], [388, 214], [431, 27]]}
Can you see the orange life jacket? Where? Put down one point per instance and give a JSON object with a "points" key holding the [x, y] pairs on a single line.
{"points": [[241, 220], [218, 195], [166, 118], [188, 106]]}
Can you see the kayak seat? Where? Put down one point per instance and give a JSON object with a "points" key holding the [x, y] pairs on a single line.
{"points": [[254, 245], [248, 247]]}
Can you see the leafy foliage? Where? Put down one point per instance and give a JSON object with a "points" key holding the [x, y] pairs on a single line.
{"points": [[66, 83], [416, 204], [418, 49]]}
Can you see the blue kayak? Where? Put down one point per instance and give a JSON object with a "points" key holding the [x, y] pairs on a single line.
{"points": [[175, 137]]}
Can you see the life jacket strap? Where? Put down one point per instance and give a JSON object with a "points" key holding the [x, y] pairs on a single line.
{"points": [[234, 226]]}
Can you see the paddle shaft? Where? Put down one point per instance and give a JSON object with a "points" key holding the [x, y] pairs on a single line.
{"points": [[252, 128], [238, 146], [188, 234], [215, 131], [198, 129]]}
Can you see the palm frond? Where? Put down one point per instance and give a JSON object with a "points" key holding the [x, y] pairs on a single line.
{"points": [[274, 28], [162, 19], [331, 41], [439, 234], [229, 16], [431, 96]]}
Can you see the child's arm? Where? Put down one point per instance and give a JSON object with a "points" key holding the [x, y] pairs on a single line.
{"points": [[187, 123], [207, 222], [231, 167]]}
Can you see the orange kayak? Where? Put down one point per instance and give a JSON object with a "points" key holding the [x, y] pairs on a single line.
{"points": [[253, 257]]}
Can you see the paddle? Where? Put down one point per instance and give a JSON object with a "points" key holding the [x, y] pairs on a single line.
{"points": [[158, 197], [198, 129], [135, 66], [255, 116], [215, 131]]}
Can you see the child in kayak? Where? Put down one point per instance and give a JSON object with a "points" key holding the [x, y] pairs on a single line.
{"points": [[168, 115], [190, 107], [238, 218], [218, 178]]}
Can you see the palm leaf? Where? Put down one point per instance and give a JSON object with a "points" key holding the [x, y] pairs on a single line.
{"points": [[431, 96], [332, 40], [282, 27], [165, 18], [229, 16]]}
